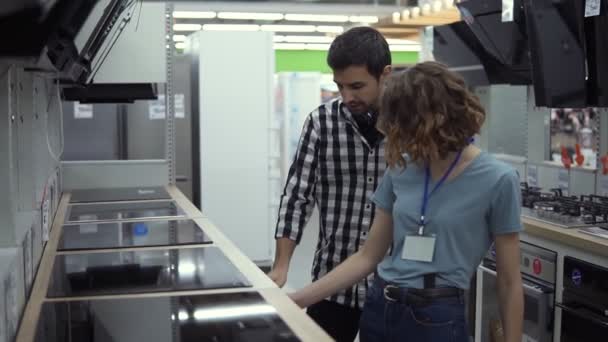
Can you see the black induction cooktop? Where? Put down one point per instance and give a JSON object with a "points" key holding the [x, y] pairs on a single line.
{"points": [[123, 211], [143, 271], [119, 194], [242, 316], [94, 235]]}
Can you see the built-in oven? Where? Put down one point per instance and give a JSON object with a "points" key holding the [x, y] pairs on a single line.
{"points": [[538, 267], [584, 304]]}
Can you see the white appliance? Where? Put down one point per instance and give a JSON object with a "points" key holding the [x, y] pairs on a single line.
{"points": [[235, 99]]}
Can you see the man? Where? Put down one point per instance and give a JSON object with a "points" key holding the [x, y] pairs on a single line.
{"points": [[338, 164]]}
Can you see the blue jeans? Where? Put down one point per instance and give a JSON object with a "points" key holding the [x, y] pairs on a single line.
{"points": [[383, 320]]}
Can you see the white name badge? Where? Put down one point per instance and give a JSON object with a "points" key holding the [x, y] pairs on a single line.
{"points": [[419, 248]]}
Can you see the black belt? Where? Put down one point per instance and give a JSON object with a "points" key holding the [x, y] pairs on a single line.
{"points": [[417, 297]]}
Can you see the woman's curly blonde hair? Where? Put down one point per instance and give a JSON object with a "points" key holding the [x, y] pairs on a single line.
{"points": [[427, 112]]}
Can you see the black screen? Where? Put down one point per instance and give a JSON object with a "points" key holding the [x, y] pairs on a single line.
{"points": [[503, 46], [596, 29], [556, 39]]}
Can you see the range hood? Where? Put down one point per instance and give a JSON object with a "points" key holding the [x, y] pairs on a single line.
{"points": [[72, 39], [482, 47]]}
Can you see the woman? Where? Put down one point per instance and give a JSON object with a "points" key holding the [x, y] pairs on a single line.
{"points": [[439, 207]]}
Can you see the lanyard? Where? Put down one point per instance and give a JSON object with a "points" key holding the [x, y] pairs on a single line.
{"points": [[427, 195]]}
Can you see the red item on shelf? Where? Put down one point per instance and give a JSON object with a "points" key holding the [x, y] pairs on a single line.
{"points": [[580, 159], [604, 160], [566, 158]]}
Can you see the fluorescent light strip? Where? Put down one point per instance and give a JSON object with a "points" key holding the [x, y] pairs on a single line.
{"points": [[319, 47], [179, 38], [289, 28], [230, 27], [330, 29], [317, 17], [186, 27], [366, 19], [307, 39], [282, 46], [220, 313], [194, 15], [250, 16], [391, 41], [411, 48]]}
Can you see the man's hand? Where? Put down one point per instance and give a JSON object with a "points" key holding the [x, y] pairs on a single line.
{"points": [[278, 275]]}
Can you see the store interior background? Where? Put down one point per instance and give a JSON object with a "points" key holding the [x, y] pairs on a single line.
{"points": [[301, 80]]}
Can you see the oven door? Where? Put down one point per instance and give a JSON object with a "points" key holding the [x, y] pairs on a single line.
{"points": [[538, 309], [580, 323]]}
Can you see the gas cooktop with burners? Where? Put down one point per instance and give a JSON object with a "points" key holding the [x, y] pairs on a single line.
{"points": [[564, 211]]}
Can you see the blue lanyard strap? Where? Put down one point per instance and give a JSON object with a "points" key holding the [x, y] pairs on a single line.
{"points": [[427, 195]]}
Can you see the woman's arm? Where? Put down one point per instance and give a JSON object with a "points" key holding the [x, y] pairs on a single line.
{"points": [[510, 287], [355, 267]]}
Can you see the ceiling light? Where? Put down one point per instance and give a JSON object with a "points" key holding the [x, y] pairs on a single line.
{"points": [[180, 45], [183, 315], [317, 17], [415, 12], [289, 28], [179, 38], [401, 42], [368, 19], [229, 27], [437, 6], [278, 39], [307, 39], [223, 313], [186, 27], [193, 15], [319, 47], [330, 29], [396, 17], [280, 46], [426, 9], [250, 16], [405, 47]]}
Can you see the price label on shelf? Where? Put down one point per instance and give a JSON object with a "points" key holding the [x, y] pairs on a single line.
{"points": [[45, 219], [592, 8], [507, 11]]}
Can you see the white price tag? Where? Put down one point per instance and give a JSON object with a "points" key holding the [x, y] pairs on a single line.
{"points": [[27, 261], [88, 228], [156, 109], [592, 8], [507, 10], [527, 338], [83, 111], [180, 106], [45, 219]]}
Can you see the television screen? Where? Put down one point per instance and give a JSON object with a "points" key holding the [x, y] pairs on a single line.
{"points": [[556, 39]]}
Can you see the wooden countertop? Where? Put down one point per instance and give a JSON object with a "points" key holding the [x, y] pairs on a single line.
{"points": [[571, 237], [304, 327]]}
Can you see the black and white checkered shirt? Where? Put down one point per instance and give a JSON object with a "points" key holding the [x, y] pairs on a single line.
{"points": [[336, 168]]}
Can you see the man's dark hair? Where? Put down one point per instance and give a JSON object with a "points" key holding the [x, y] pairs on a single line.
{"points": [[360, 46]]}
